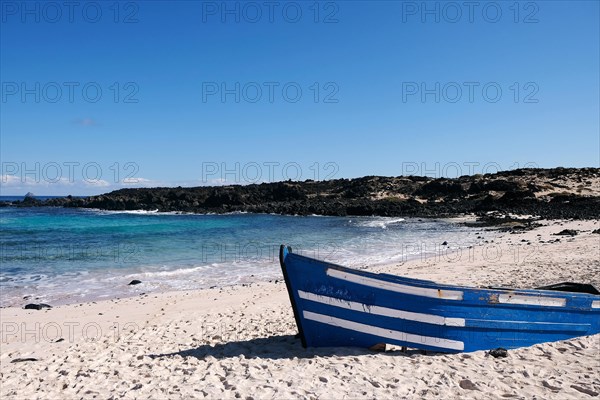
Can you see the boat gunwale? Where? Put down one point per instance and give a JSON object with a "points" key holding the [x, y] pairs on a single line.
{"points": [[434, 285]]}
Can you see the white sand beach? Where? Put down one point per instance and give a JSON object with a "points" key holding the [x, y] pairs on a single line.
{"points": [[238, 342]]}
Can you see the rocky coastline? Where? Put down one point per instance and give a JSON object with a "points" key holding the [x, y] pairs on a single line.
{"points": [[548, 193]]}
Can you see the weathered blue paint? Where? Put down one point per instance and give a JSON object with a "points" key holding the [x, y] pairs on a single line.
{"points": [[339, 306]]}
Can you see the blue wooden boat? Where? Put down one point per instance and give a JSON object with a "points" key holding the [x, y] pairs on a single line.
{"points": [[339, 306]]}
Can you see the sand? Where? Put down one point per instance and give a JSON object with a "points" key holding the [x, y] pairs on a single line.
{"points": [[238, 342]]}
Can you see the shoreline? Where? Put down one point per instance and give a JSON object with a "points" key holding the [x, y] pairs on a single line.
{"points": [[417, 263], [238, 341], [550, 193], [113, 283]]}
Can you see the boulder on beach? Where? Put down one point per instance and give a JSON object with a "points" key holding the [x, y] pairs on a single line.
{"points": [[26, 359], [498, 353], [33, 306], [567, 232]]}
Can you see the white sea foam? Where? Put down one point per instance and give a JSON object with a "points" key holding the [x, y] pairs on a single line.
{"points": [[134, 212], [156, 212], [380, 222]]}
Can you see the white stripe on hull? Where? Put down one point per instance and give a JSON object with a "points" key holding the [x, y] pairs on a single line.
{"points": [[596, 304], [532, 300], [384, 311], [395, 287], [386, 333]]}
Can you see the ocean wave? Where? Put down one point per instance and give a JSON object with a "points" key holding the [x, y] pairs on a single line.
{"points": [[170, 273], [99, 211], [382, 222]]}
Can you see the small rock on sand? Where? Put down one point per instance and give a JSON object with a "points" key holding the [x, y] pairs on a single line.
{"points": [[33, 306], [498, 353], [567, 232], [585, 390], [17, 360], [467, 385]]}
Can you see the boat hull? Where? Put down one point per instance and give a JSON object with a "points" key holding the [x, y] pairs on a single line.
{"points": [[338, 306]]}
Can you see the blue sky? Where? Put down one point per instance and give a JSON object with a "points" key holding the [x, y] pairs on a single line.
{"points": [[101, 96]]}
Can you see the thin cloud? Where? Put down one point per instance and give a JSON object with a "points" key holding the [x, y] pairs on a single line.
{"points": [[96, 182], [86, 122], [140, 182]]}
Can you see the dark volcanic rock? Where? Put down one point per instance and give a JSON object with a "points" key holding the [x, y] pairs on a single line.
{"points": [[567, 232], [512, 197], [32, 306], [135, 282], [547, 193], [441, 188], [18, 360], [498, 353], [30, 199]]}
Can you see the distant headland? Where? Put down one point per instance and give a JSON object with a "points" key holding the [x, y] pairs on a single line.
{"points": [[548, 193]]}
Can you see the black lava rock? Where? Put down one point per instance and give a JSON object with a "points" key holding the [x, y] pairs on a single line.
{"points": [[498, 353], [33, 306], [17, 360], [567, 232], [135, 282]]}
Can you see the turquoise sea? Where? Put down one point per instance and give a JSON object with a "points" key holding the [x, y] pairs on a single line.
{"points": [[61, 255]]}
